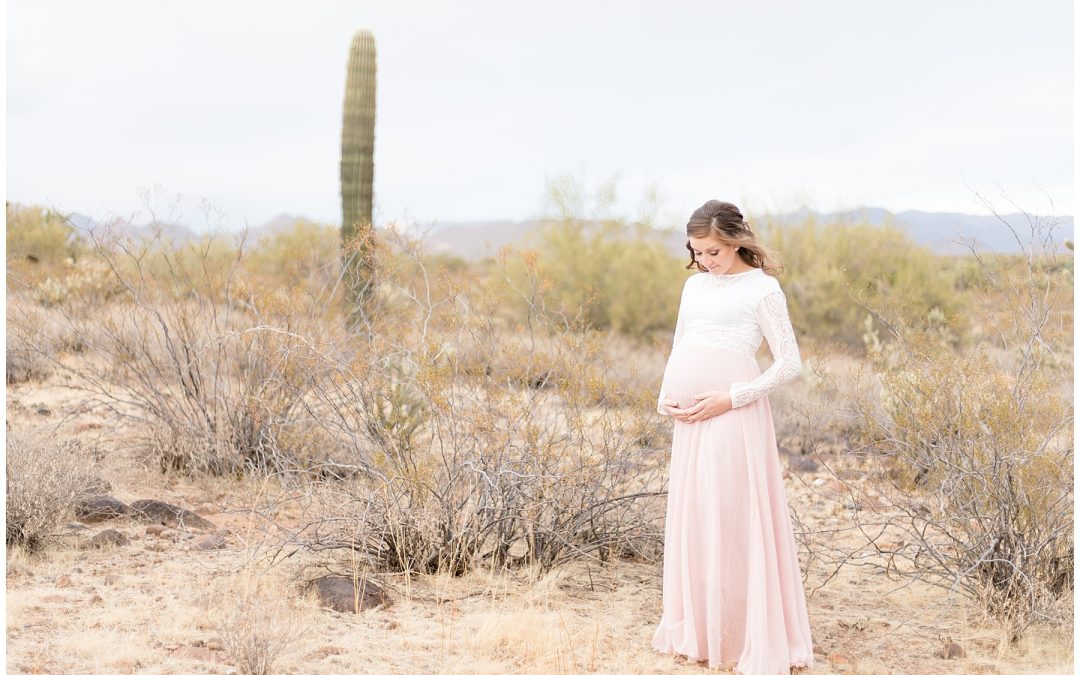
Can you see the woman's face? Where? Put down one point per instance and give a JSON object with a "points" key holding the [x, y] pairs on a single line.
{"points": [[713, 254]]}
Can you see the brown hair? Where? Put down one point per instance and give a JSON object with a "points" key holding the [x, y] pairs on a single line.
{"points": [[724, 220]]}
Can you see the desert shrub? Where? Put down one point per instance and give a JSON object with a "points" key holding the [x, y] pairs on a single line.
{"points": [[832, 269], [46, 478], [971, 450], [206, 361], [598, 271], [305, 254], [478, 439], [39, 235], [255, 621], [29, 349], [84, 286]]}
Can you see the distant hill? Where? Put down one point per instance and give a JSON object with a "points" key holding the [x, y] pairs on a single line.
{"points": [[942, 232], [475, 240]]}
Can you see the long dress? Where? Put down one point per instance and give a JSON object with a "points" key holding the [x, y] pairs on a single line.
{"points": [[732, 590]]}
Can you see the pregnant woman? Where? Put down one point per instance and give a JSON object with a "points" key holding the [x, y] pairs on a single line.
{"points": [[732, 589]]}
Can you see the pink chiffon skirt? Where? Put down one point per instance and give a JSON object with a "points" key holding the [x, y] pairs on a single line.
{"points": [[732, 590]]}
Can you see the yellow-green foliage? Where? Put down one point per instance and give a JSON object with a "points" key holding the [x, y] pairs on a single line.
{"points": [[979, 443], [206, 267], [608, 274], [306, 253], [38, 232], [828, 265], [949, 410]]}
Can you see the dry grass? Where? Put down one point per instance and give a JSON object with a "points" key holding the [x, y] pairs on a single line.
{"points": [[136, 608], [46, 478]]}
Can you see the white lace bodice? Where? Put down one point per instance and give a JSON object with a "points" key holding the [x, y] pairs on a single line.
{"points": [[735, 311]]}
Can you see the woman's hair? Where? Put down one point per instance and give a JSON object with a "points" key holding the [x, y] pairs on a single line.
{"points": [[724, 220]]}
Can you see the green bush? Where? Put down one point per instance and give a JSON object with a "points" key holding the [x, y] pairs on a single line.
{"points": [[832, 269], [40, 242], [306, 253], [604, 275]]}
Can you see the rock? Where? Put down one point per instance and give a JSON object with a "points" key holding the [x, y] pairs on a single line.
{"points": [[169, 515], [106, 538], [802, 464], [42, 409], [209, 542], [344, 594], [102, 507]]}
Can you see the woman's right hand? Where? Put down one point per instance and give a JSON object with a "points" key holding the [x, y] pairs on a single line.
{"points": [[671, 407]]}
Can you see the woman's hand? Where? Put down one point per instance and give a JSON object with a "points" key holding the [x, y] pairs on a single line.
{"points": [[672, 408], [709, 404]]}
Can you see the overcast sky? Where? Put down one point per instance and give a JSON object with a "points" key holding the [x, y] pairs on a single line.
{"points": [[831, 104]]}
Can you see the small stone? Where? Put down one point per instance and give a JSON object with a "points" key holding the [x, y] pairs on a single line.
{"points": [[42, 410], [106, 538], [802, 464], [209, 542]]}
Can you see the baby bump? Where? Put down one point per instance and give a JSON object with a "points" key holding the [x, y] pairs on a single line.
{"points": [[693, 369]]}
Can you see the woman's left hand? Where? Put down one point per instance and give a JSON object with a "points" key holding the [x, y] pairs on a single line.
{"points": [[709, 404]]}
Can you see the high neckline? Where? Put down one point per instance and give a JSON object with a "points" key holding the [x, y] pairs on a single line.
{"points": [[735, 274]]}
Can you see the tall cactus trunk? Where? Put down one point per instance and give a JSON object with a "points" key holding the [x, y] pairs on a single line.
{"points": [[357, 173]]}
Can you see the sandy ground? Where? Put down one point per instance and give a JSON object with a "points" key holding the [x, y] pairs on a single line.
{"points": [[158, 606]]}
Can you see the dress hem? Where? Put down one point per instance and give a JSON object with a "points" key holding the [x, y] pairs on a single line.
{"points": [[728, 668]]}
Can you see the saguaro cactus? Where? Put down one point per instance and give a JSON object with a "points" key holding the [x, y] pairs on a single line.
{"points": [[357, 173]]}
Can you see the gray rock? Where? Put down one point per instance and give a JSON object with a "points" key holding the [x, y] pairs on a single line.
{"points": [[102, 507], [162, 513], [106, 538], [209, 542], [802, 464], [345, 594]]}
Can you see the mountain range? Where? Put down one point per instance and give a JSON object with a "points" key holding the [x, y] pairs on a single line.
{"points": [[943, 232]]}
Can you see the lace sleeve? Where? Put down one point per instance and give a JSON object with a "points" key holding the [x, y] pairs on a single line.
{"points": [[679, 330], [775, 324]]}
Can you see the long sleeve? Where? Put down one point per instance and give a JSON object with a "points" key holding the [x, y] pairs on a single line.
{"points": [[680, 327], [775, 325]]}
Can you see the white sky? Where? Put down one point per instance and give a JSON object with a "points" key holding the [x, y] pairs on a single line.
{"points": [[838, 103]]}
